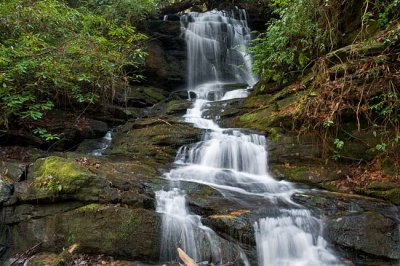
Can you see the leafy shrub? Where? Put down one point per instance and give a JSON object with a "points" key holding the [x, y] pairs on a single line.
{"points": [[302, 31], [55, 55], [131, 11]]}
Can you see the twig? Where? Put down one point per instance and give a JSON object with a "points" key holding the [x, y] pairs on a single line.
{"points": [[166, 122], [26, 253]]}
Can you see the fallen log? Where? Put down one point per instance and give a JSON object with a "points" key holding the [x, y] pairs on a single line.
{"points": [[186, 259]]}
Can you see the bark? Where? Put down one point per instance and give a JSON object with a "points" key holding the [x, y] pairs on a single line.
{"points": [[186, 259]]}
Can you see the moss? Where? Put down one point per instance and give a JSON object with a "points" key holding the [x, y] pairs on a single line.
{"points": [[231, 215], [392, 195], [89, 208], [56, 174], [154, 93], [293, 173], [177, 106], [129, 225], [248, 117], [297, 174], [274, 133], [329, 186]]}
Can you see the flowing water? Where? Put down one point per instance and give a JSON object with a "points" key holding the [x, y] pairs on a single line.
{"points": [[103, 144], [231, 160]]}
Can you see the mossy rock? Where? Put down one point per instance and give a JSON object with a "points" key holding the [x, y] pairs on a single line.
{"points": [[142, 96], [312, 175], [177, 107], [56, 178], [114, 231], [97, 229], [155, 140], [388, 193], [58, 174]]}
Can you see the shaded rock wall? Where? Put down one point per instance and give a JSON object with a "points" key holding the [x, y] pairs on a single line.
{"points": [[166, 61]]}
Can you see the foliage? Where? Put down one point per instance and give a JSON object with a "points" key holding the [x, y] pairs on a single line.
{"points": [[123, 11], [302, 31], [55, 55], [363, 90]]}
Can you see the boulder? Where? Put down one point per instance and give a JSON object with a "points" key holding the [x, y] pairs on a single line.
{"points": [[97, 229], [357, 223], [141, 96], [370, 232], [5, 191], [93, 129], [13, 171], [56, 178], [155, 140]]}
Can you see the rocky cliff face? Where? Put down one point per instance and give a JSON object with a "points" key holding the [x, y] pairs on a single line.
{"points": [[166, 60]]}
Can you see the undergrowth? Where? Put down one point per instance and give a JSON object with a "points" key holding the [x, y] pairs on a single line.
{"points": [[360, 85]]}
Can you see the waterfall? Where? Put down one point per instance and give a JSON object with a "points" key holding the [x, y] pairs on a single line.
{"points": [[230, 160], [217, 43]]}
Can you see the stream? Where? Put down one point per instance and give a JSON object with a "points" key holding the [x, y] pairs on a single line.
{"points": [[233, 161]]}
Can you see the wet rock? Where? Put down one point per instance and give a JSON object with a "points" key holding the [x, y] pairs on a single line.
{"points": [[357, 223], [206, 200], [5, 191], [236, 225], [369, 232], [153, 139], [10, 173], [223, 111], [93, 129], [173, 106]]}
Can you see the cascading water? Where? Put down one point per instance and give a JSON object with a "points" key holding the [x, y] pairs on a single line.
{"points": [[230, 160]]}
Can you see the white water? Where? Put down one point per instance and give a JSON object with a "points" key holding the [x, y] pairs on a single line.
{"points": [[103, 145], [231, 161]]}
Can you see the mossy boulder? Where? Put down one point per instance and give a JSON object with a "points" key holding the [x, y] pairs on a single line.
{"points": [[154, 140], [56, 178], [141, 96], [97, 229], [385, 190], [316, 175], [177, 107]]}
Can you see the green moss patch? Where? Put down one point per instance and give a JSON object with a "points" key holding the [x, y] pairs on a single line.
{"points": [[56, 174]]}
